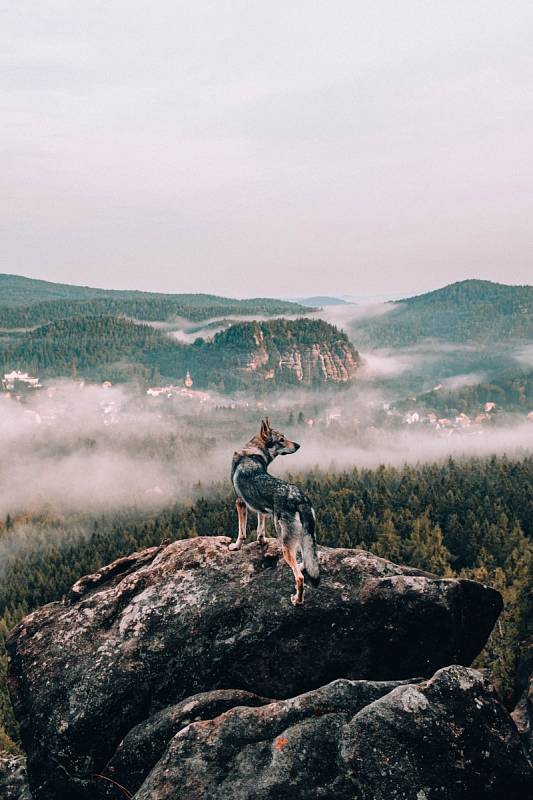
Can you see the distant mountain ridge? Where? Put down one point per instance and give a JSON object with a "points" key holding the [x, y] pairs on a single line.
{"points": [[473, 290], [29, 302], [470, 311], [61, 329], [321, 301]]}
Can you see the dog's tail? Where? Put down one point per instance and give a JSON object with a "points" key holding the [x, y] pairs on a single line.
{"points": [[309, 551]]}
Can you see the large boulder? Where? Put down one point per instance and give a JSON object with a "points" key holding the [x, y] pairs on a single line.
{"points": [[150, 630], [447, 739], [145, 743]]}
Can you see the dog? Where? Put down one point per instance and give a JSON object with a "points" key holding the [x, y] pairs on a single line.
{"points": [[292, 512]]}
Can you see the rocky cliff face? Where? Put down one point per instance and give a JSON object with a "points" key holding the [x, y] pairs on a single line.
{"points": [[319, 363], [280, 352], [185, 672]]}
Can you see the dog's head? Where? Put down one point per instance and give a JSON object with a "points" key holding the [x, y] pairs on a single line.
{"points": [[275, 442]]}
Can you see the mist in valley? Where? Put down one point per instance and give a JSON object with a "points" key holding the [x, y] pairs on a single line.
{"points": [[73, 448], [88, 447]]}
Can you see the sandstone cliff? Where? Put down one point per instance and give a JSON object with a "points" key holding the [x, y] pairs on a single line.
{"points": [[280, 353]]}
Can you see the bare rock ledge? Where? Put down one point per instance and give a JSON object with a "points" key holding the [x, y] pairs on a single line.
{"points": [[101, 681]]}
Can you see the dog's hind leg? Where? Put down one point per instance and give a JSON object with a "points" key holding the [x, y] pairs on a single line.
{"points": [[289, 554], [242, 514], [261, 529], [288, 548]]}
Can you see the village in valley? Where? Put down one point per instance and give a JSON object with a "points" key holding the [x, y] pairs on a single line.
{"points": [[379, 417]]}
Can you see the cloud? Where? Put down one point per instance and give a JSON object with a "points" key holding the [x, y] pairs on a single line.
{"points": [[91, 448], [95, 448], [466, 379], [381, 364], [353, 144], [524, 355], [346, 315]]}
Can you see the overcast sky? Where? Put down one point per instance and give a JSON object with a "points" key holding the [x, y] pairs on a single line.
{"points": [[267, 148]]}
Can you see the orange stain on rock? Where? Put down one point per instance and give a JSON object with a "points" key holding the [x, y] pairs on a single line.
{"points": [[280, 744]]}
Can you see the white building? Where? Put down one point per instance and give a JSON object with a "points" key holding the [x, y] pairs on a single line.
{"points": [[178, 391], [11, 378]]}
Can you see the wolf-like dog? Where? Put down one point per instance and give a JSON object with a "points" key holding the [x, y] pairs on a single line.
{"points": [[291, 510]]}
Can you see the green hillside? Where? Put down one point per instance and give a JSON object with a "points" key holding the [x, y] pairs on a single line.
{"points": [[511, 390], [25, 302], [106, 347], [472, 311], [94, 347]]}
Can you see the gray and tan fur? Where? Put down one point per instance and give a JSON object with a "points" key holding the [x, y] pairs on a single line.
{"points": [[291, 510]]}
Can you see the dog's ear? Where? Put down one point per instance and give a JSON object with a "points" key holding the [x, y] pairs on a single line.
{"points": [[266, 430]]}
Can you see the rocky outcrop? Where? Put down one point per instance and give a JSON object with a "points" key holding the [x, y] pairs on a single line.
{"points": [[352, 740], [145, 744], [318, 363], [103, 683], [13, 778], [523, 712], [281, 352]]}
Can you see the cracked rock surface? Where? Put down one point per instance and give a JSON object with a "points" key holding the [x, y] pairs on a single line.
{"points": [[447, 738]]}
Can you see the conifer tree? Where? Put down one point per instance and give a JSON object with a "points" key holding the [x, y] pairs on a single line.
{"points": [[388, 543], [425, 547]]}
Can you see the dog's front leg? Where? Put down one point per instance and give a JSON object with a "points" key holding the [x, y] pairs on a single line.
{"points": [[261, 529], [242, 513]]}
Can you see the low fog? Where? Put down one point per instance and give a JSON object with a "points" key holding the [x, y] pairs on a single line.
{"points": [[86, 447], [89, 448]]}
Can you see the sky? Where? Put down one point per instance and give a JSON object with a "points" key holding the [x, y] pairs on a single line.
{"points": [[282, 148]]}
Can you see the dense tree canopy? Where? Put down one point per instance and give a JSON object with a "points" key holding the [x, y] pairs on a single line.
{"points": [[463, 312], [118, 349], [25, 302]]}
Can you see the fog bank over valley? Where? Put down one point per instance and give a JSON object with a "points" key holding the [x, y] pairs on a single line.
{"points": [[78, 447]]}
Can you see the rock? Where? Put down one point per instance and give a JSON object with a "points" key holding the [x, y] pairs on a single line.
{"points": [[523, 712], [13, 778], [151, 630], [449, 738], [143, 746]]}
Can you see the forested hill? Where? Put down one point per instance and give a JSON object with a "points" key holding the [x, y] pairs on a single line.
{"points": [[97, 348], [25, 302], [277, 352], [258, 355], [471, 311]]}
